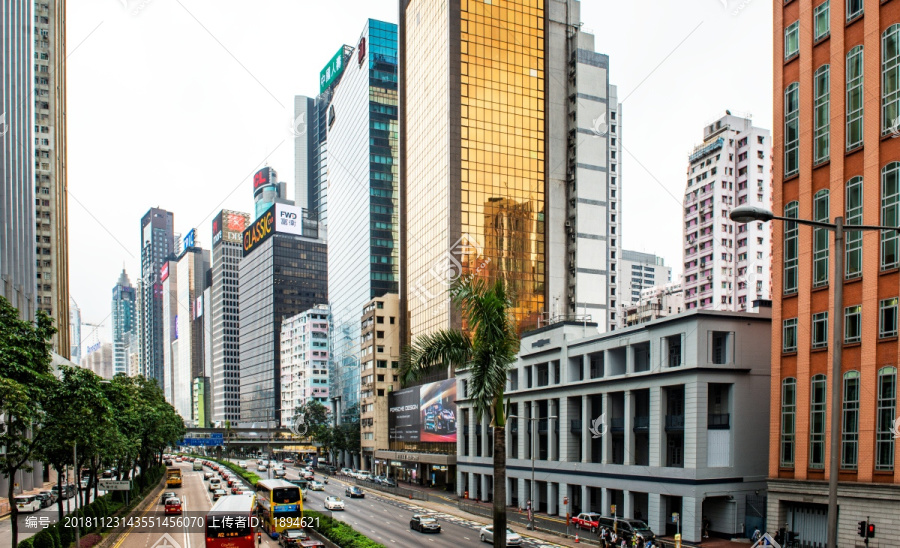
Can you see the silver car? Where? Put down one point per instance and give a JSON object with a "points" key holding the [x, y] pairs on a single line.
{"points": [[512, 538]]}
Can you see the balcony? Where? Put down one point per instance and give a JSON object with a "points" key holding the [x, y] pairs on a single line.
{"points": [[720, 421], [641, 424], [674, 423]]}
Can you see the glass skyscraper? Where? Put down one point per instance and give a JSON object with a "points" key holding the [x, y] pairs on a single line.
{"points": [[363, 199], [123, 322], [157, 244]]}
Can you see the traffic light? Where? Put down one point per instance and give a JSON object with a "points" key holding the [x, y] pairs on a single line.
{"points": [[862, 529], [870, 531]]}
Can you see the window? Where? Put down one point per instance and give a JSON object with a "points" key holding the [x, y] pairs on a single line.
{"points": [[821, 112], [791, 129], [854, 9], [890, 190], [886, 411], [788, 413], [791, 252], [821, 21], [850, 432], [817, 422], [821, 247], [854, 216], [789, 335], [792, 40], [887, 318], [852, 324], [855, 98], [890, 73], [820, 330]]}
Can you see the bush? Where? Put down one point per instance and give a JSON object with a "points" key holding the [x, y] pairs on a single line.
{"points": [[89, 541], [88, 515], [44, 539], [66, 536], [27, 543], [340, 533], [57, 539]]}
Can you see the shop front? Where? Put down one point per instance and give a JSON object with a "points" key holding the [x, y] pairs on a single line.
{"points": [[424, 469]]}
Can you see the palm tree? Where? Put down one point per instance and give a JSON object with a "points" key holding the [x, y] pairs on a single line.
{"points": [[485, 351]]}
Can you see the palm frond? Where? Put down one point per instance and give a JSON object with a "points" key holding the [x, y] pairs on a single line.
{"points": [[447, 347]]}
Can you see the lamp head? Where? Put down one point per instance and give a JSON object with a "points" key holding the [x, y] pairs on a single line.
{"points": [[750, 213]]}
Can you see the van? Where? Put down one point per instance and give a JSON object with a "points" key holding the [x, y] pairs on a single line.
{"points": [[627, 528], [28, 503], [198, 466]]}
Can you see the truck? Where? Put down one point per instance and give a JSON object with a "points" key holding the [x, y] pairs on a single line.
{"points": [[173, 477], [198, 466]]}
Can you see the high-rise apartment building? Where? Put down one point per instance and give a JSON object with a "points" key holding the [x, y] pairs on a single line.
{"points": [[836, 101], [305, 360], [363, 196], [192, 266], [227, 235], [169, 313], [380, 346], [639, 271], [726, 264], [511, 165], [123, 322], [283, 272], [74, 332], [157, 244], [51, 199], [19, 264]]}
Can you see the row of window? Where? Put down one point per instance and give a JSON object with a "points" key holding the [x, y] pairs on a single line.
{"points": [[890, 100], [887, 326], [853, 249], [885, 411]]}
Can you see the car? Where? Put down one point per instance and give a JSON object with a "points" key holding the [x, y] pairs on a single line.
{"points": [[219, 493], [334, 503], [84, 484], [288, 461], [52, 494], [235, 489], [292, 537], [487, 535], [214, 484], [177, 459], [345, 471], [244, 465], [28, 503], [243, 493], [279, 473], [261, 468], [316, 486], [424, 524], [67, 491], [353, 491], [388, 482], [173, 505], [168, 462], [308, 476], [46, 500], [107, 473], [628, 528], [168, 495], [587, 520], [207, 475]]}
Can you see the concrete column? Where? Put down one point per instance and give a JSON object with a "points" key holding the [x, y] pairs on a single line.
{"points": [[656, 513], [472, 437], [473, 486], [585, 433], [562, 412], [562, 491], [523, 492], [606, 442], [460, 483], [552, 424], [524, 448], [604, 502], [628, 503], [552, 498], [629, 428], [509, 482], [691, 519], [483, 492], [485, 426], [657, 423], [695, 424], [585, 500]]}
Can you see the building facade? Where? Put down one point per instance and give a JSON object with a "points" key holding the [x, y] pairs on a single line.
{"points": [[305, 361], [157, 244], [653, 419], [836, 109], [267, 191], [380, 347], [639, 271], [726, 264], [654, 302], [169, 284], [227, 233], [51, 198], [192, 267], [123, 322], [363, 218], [74, 332], [283, 272]]}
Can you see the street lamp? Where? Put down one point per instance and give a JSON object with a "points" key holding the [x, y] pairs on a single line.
{"points": [[534, 436], [746, 214]]}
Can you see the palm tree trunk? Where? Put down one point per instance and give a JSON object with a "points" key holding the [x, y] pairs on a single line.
{"points": [[499, 486]]}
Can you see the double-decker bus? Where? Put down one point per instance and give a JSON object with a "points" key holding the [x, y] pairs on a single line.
{"points": [[280, 505], [231, 522]]}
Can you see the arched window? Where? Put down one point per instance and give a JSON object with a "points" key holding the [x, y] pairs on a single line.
{"points": [[890, 80], [817, 406], [850, 422], [791, 250], [821, 247], [890, 215], [788, 420], [853, 238], [886, 412], [821, 113], [855, 98], [791, 129]]}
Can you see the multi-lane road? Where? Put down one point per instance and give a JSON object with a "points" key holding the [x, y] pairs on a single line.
{"points": [[44, 516]]}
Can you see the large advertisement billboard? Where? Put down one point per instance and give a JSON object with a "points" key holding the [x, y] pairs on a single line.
{"points": [[229, 225], [332, 70], [259, 231], [424, 413], [263, 178]]}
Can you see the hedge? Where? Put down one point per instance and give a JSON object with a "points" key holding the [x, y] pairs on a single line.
{"points": [[339, 532]]}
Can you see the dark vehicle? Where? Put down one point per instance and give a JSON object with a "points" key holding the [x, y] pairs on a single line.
{"points": [[292, 538], [52, 494], [627, 528], [440, 420], [46, 500], [107, 474], [354, 492], [424, 524], [67, 491], [388, 482]]}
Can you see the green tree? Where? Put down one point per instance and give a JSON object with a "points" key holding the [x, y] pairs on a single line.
{"points": [[486, 352], [316, 419]]}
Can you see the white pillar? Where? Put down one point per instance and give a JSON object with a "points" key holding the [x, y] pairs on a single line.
{"points": [[472, 433], [692, 519], [552, 453], [628, 503], [562, 492], [606, 442], [473, 486], [656, 513], [657, 433], [629, 428], [585, 500], [523, 492], [605, 502], [564, 426], [585, 433], [552, 498]]}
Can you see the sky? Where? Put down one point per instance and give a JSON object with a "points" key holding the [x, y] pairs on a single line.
{"points": [[176, 103]]}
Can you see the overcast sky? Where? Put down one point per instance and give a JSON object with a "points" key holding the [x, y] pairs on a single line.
{"points": [[176, 103]]}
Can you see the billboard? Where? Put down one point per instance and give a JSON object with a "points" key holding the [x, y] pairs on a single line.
{"points": [[164, 272], [262, 178], [332, 70], [288, 219], [259, 231], [424, 413], [188, 240], [229, 225]]}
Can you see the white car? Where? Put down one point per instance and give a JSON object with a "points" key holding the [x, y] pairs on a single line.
{"points": [[31, 504], [512, 538], [331, 503], [316, 486], [261, 468]]}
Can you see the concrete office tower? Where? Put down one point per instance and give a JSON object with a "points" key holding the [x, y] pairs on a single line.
{"points": [[157, 244], [135, 339], [510, 166], [100, 361], [726, 265], [380, 346], [267, 191], [282, 273], [305, 360], [363, 197], [835, 89], [74, 332], [639, 271], [123, 322], [192, 267], [169, 297], [51, 197], [17, 210], [227, 248]]}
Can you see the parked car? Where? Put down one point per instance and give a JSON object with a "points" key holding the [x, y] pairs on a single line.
{"points": [[46, 500], [587, 520], [219, 493], [288, 460], [388, 482], [628, 528], [290, 538], [67, 491], [316, 486], [354, 492], [52, 494], [512, 538], [334, 503], [173, 506], [345, 471], [424, 524], [28, 503]]}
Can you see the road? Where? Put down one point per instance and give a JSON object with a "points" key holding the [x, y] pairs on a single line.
{"points": [[46, 516]]}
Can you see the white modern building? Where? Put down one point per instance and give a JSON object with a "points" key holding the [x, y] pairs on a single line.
{"points": [[726, 264], [668, 416], [653, 303], [305, 360], [638, 271]]}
